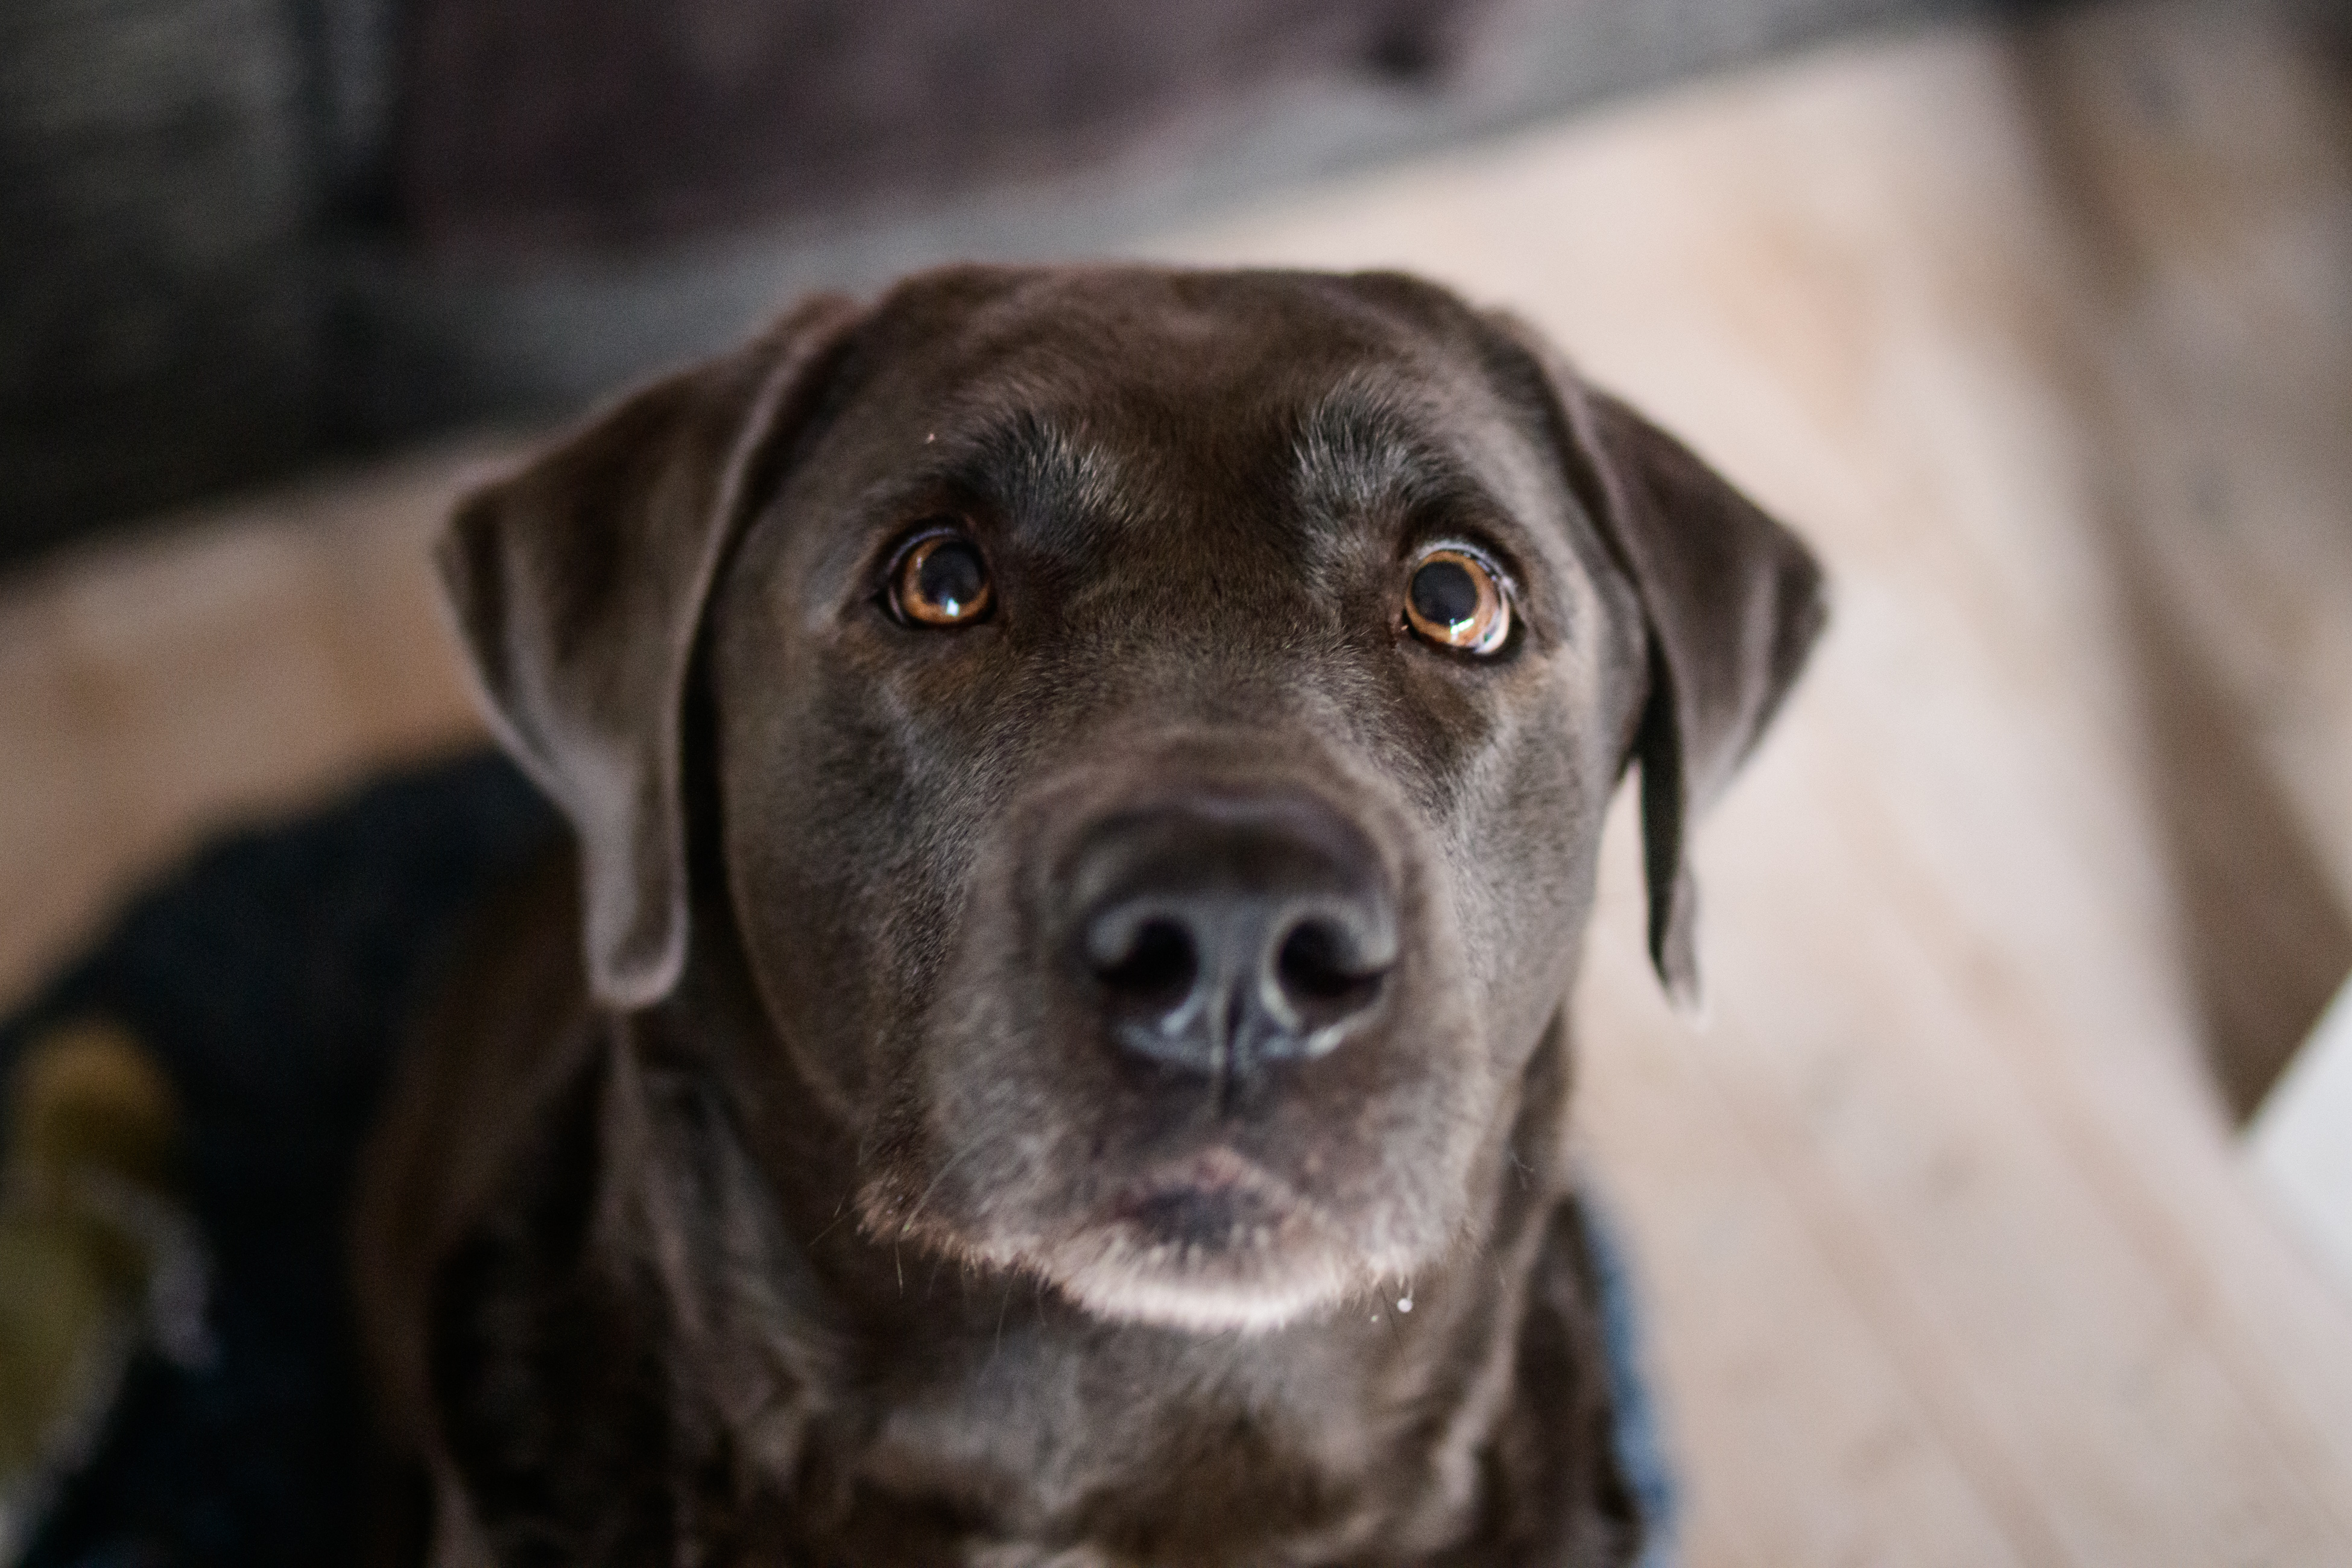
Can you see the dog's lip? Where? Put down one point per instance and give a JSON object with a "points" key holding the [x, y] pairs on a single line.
{"points": [[1220, 1172]]}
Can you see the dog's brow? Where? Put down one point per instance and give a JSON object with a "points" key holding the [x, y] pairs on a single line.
{"points": [[1038, 468], [1356, 453]]}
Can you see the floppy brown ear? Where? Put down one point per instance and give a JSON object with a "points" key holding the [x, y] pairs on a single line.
{"points": [[1733, 601], [578, 587]]}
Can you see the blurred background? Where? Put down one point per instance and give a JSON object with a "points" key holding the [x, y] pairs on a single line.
{"points": [[2001, 1212]]}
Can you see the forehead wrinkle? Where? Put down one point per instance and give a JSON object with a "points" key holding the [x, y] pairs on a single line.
{"points": [[1042, 465], [1042, 471], [1361, 450]]}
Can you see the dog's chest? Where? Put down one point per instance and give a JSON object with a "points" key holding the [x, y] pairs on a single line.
{"points": [[1136, 1450]]}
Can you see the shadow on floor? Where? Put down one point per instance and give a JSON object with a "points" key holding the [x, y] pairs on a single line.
{"points": [[2266, 939]]}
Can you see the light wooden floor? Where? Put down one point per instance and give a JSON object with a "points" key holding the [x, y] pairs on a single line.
{"points": [[2046, 339]]}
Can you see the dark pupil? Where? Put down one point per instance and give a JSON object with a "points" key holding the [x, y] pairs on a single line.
{"points": [[950, 578], [1445, 593]]}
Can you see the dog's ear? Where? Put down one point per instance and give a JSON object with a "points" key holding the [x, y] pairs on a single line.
{"points": [[578, 588], [1733, 601]]}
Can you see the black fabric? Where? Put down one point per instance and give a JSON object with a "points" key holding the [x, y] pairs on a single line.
{"points": [[272, 976]]}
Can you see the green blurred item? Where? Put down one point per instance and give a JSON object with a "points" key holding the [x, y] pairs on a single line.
{"points": [[98, 1257]]}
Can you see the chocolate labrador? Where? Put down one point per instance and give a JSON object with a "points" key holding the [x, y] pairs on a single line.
{"points": [[1087, 786]]}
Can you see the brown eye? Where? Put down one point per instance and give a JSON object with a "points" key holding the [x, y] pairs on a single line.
{"points": [[1454, 602], [941, 581]]}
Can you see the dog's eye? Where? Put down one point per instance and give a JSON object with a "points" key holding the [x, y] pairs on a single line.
{"points": [[940, 580], [1454, 601]]}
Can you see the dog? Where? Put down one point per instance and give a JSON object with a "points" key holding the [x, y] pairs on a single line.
{"points": [[1051, 1049]]}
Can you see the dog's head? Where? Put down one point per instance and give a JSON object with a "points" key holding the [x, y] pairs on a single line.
{"points": [[1157, 726]]}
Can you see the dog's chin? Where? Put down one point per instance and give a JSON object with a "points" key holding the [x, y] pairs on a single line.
{"points": [[1215, 1245], [1121, 1287]]}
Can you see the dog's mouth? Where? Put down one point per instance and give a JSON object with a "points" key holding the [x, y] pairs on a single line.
{"points": [[1216, 1200], [1210, 1241]]}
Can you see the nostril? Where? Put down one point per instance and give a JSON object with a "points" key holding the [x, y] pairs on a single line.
{"points": [[1310, 964], [1157, 967], [1323, 973]]}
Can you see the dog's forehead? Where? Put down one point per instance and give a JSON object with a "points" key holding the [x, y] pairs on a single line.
{"points": [[1202, 332], [1172, 396], [1171, 364]]}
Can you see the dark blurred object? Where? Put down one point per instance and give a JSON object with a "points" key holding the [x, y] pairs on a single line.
{"points": [[530, 123], [268, 980], [235, 235], [157, 319]]}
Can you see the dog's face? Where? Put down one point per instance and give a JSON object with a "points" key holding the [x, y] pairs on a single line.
{"points": [[1167, 898], [1159, 725]]}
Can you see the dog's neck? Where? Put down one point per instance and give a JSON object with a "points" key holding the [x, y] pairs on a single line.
{"points": [[899, 1405]]}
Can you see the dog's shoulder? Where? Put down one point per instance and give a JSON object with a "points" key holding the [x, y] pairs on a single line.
{"points": [[1562, 1493], [478, 1090]]}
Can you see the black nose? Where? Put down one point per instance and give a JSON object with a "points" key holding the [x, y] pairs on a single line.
{"points": [[1229, 933]]}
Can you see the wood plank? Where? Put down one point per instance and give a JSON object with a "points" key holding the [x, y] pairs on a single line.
{"points": [[1796, 1416]]}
